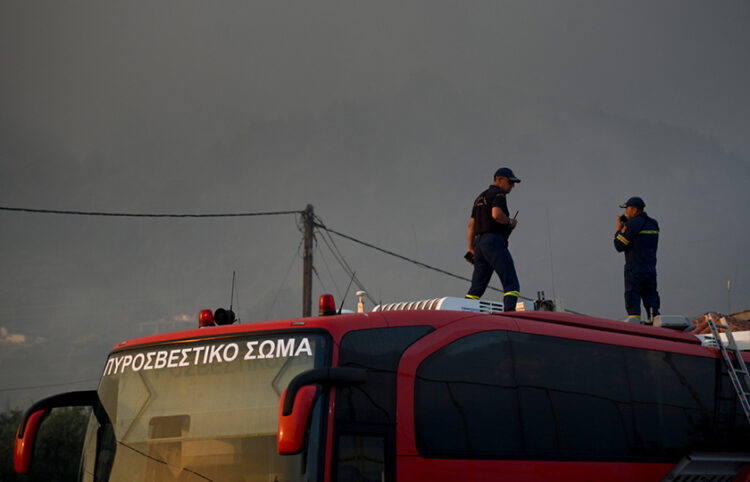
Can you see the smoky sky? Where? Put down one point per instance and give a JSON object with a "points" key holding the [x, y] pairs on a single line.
{"points": [[389, 118]]}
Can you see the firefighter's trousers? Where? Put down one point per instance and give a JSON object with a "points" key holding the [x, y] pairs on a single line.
{"points": [[641, 285], [491, 254]]}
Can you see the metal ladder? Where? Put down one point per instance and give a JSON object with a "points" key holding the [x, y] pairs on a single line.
{"points": [[743, 392]]}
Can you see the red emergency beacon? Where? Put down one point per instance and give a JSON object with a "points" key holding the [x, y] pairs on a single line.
{"points": [[206, 318], [327, 306]]}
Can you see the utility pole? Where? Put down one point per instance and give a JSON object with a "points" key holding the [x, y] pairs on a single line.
{"points": [[307, 219]]}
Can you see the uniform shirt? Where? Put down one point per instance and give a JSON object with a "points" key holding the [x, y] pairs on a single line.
{"points": [[482, 212], [639, 242]]}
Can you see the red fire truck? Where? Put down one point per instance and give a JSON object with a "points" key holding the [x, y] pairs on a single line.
{"points": [[405, 394]]}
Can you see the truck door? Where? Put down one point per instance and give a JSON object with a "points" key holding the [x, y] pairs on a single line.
{"points": [[364, 446]]}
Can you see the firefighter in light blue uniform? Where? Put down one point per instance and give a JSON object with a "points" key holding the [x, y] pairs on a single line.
{"points": [[638, 237]]}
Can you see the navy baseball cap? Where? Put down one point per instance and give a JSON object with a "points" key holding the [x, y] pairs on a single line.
{"points": [[634, 201], [506, 172]]}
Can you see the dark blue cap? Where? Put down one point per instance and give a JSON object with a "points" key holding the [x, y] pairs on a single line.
{"points": [[634, 201], [506, 172]]}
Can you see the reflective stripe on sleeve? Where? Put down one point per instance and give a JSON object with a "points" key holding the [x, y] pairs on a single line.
{"points": [[623, 239]]}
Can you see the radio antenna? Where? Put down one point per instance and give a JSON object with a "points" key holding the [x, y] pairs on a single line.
{"points": [[551, 263], [347, 291], [231, 298]]}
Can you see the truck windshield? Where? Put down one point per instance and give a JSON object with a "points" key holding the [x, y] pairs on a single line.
{"points": [[202, 410]]}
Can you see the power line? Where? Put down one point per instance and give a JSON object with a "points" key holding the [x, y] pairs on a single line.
{"points": [[328, 269], [289, 270], [342, 261], [419, 263], [404, 258], [48, 386], [318, 223], [146, 215]]}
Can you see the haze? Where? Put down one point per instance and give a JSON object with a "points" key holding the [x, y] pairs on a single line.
{"points": [[389, 118]]}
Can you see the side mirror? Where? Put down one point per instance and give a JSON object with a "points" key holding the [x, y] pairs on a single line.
{"points": [[292, 426], [25, 441], [298, 398], [34, 417]]}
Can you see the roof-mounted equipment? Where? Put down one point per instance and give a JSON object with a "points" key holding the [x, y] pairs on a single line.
{"points": [[445, 303]]}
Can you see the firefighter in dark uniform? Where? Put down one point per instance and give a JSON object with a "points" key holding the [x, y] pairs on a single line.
{"points": [[489, 229], [638, 236]]}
